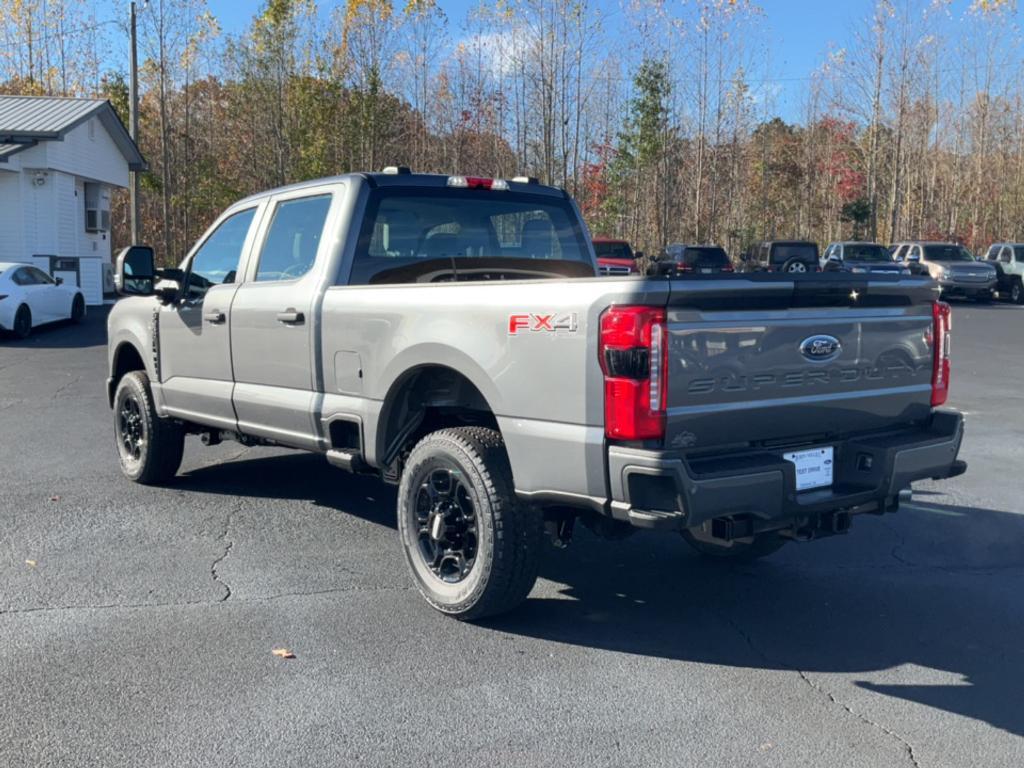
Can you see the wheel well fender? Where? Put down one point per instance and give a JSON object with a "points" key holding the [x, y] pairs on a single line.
{"points": [[125, 359], [425, 398]]}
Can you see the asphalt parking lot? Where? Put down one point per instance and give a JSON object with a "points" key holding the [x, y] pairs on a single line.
{"points": [[137, 624]]}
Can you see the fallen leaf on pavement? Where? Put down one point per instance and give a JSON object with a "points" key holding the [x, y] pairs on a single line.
{"points": [[55, 498], [31, 563], [284, 653]]}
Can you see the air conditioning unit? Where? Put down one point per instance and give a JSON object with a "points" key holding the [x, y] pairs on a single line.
{"points": [[97, 207]]}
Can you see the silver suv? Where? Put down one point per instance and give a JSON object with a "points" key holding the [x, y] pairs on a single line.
{"points": [[952, 266]]}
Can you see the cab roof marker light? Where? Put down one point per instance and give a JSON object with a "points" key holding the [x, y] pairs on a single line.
{"points": [[526, 180], [396, 170], [458, 181], [499, 185]]}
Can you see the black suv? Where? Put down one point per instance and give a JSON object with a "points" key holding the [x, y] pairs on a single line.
{"points": [[697, 259], [793, 256]]}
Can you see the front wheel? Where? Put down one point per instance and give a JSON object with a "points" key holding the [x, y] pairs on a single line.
{"points": [[22, 322], [757, 546], [472, 546], [77, 309], [150, 448]]}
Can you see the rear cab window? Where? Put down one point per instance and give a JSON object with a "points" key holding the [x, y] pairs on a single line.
{"points": [[613, 250], [783, 252], [427, 234], [947, 253], [705, 257], [867, 252]]}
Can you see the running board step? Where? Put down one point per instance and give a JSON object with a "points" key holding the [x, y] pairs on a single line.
{"points": [[351, 461], [656, 518]]}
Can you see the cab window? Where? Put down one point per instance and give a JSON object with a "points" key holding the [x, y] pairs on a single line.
{"points": [[441, 235], [293, 239], [216, 261]]}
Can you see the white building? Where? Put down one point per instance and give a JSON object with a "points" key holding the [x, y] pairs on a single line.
{"points": [[60, 159]]}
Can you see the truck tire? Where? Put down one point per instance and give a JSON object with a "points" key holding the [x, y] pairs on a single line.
{"points": [[472, 546], [763, 544], [1017, 292], [149, 447], [795, 266]]}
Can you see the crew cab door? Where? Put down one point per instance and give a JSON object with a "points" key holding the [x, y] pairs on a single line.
{"points": [[273, 319], [194, 332]]}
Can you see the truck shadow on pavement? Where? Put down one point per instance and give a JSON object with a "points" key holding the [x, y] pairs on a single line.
{"points": [[859, 607], [923, 606], [297, 476]]}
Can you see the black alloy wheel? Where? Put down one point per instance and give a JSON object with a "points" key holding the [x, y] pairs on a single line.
{"points": [[446, 525], [131, 429]]}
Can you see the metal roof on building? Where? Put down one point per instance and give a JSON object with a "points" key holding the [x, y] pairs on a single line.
{"points": [[27, 120]]}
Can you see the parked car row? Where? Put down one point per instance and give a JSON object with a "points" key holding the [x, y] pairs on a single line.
{"points": [[957, 271]]}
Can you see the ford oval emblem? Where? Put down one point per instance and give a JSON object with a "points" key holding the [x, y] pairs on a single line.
{"points": [[821, 348]]}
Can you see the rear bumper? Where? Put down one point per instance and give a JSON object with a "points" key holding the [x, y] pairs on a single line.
{"points": [[660, 489]]}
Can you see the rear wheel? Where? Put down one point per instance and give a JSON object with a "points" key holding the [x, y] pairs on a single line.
{"points": [[757, 546], [472, 546], [77, 309], [794, 266], [22, 322], [150, 448]]}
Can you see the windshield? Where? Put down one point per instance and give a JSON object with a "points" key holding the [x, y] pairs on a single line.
{"points": [[613, 250], [947, 253], [438, 235], [705, 257], [783, 252], [866, 252]]}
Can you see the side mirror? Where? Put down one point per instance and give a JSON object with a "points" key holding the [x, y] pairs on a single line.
{"points": [[135, 271], [744, 256], [913, 258], [834, 258], [59, 280], [638, 255]]}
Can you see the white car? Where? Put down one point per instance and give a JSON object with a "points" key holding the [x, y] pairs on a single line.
{"points": [[29, 297]]}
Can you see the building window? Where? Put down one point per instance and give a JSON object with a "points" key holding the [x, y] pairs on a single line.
{"points": [[97, 207]]}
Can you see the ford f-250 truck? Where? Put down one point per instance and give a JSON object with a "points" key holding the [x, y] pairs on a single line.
{"points": [[450, 334]]}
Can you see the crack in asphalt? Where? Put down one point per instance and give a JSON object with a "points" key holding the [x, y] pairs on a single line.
{"points": [[199, 603], [57, 392], [228, 544], [953, 570], [907, 747]]}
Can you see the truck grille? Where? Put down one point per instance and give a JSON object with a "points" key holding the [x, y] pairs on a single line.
{"points": [[613, 270]]}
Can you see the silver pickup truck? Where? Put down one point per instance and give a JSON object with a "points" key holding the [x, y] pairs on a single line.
{"points": [[450, 335]]}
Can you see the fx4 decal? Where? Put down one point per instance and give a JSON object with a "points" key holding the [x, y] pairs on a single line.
{"points": [[550, 323]]}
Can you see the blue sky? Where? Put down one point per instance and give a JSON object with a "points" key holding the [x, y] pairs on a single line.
{"points": [[801, 31]]}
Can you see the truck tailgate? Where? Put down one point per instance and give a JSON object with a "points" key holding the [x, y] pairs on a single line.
{"points": [[773, 360]]}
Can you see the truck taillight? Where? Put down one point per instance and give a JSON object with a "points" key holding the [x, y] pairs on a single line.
{"points": [[633, 359], [942, 317]]}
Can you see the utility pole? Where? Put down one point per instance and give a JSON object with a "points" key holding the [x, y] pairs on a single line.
{"points": [[133, 119]]}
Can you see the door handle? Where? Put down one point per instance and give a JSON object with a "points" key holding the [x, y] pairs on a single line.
{"points": [[291, 317], [216, 317]]}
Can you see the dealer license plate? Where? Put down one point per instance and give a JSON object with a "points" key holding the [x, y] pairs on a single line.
{"points": [[813, 467]]}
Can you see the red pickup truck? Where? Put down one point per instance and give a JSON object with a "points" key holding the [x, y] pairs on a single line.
{"points": [[615, 257]]}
